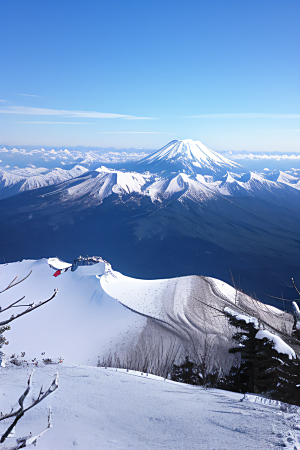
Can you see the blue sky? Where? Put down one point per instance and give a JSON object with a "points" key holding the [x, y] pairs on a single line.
{"points": [[141, 73]]}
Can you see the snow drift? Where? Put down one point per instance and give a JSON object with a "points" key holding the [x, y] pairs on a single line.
{"points": [[98, 310]]}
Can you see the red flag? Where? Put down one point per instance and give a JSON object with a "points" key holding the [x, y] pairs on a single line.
{"points": [[58, 272]]}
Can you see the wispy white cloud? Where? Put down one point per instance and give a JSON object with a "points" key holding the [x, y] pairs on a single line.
{"points": [[244, 116], [30, 111], [135, 132], [139, 118], [48, 122], [30, 95], [3, 100]]}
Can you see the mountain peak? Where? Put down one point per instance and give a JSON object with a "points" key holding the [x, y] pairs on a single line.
{"points": [[189, 156]]}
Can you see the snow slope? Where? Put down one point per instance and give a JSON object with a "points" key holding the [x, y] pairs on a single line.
{"points": [[101, 310], [103, 409], [103, 182], [180, 186], [19, 180], [193, 156], [81, 311]]}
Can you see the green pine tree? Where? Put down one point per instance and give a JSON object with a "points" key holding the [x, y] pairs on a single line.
{"points": [[261, 365]]}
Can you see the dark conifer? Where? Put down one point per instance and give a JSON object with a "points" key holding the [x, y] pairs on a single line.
{"points": [[187, 372], [288, 386], [262, 368]]}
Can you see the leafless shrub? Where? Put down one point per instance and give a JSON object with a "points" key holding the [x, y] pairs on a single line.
{"points": [[16, 415], [146, 357], [49, 361], [15, 362], [19, 413]]}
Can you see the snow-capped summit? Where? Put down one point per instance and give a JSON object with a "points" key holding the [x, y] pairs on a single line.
{"points": [[189, 156]]}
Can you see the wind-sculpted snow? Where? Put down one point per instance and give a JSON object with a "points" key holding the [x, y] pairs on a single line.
{"points": [[190, 308], [98, 310]]}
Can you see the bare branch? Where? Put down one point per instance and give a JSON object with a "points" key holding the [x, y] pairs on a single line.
{"points": [[28, 440], [13, 304], [12, 283], [31, 308], [232, 279], [281, 298], [297, 290], [21, 411]]}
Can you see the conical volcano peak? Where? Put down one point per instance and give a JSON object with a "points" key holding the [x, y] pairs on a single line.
{"points": [[188, 156]]}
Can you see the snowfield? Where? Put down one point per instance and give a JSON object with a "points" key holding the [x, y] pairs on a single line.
{"points": [[98, 310], [97, 408], [79, 324]]}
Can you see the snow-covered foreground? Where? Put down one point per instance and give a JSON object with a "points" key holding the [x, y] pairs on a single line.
{"points": [[78, 325], [97, 408]]}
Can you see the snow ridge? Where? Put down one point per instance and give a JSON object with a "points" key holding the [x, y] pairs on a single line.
{"points": [[15, 181]]}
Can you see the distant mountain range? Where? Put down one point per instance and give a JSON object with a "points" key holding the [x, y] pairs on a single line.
{"points": [[19, 180], [181, 168], [191, 212]]}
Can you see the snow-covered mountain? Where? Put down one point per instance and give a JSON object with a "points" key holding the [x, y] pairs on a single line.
{"points": [[14, 181], [254, 184], [96, 185], [187, 156], [177, 224], [102, 311], [181, 186], [181, 169]]}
